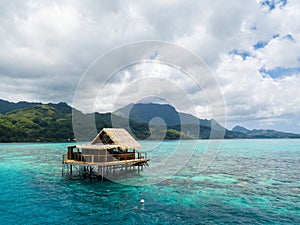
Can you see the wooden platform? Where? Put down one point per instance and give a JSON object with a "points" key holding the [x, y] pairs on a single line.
{"points": [[104, 170], [128, 162]]}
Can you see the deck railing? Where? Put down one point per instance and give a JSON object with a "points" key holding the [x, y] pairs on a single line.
{"points": [[94, 158]]}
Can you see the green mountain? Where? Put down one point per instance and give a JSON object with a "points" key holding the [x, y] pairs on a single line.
{"points": [[240, 129], [264, 133], [172, 119], [145, 112], [37, 122], [191, 125], [6, 106], [31, 122]]}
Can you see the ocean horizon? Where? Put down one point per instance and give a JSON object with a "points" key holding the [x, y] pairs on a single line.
{"points": [[247, 181]]}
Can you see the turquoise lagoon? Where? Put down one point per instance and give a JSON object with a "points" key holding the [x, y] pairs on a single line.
{"points": [[247, 182]]}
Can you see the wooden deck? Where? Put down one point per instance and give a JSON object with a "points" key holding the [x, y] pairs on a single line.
{"points": [[104, 170], [128, 162]]}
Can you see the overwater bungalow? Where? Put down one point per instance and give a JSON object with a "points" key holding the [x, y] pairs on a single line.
{"points": [[112, 150]]}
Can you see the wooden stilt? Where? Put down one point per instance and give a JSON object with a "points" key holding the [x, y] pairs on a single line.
{"points": [[62, 170], [91, 170]]}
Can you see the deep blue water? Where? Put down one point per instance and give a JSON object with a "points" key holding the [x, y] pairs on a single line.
{"points": [[248, 182]]}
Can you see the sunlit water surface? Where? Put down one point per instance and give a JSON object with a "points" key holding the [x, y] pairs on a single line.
{"points": [[248, 182]]}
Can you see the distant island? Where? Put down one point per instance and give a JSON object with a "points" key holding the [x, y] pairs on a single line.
{"points": [[38, 122]]}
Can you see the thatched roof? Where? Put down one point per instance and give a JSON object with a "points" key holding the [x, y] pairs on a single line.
{"points": [[97, 146], [116, 136]]}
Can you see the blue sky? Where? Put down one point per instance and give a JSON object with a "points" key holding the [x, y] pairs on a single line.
{"points": [[251, 47], [272, 4]]}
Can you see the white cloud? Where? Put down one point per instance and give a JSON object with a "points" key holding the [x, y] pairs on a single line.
{"points": [[280, 52], [46, 47], [250, 96]]}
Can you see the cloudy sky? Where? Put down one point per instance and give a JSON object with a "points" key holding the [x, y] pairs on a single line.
{"points": [[250, 47]]}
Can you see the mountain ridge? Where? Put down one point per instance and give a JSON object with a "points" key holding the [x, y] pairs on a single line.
{"points": [[144, 112], [264, 133], [25, 121]]}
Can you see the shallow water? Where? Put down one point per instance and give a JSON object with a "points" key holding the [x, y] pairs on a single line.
{"points": [[248, 181]]}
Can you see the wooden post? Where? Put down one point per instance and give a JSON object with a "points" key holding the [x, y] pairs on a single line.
{"points": [[84, 171], [70, 152], [98, 170], [63, 165]]}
